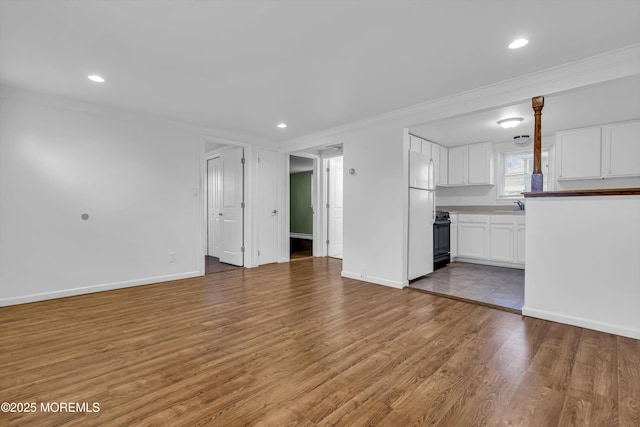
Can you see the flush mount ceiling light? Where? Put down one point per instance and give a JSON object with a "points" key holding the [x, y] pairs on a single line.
{"points": [[282, 125], [95, 78], [510, 123], [517, 44]]}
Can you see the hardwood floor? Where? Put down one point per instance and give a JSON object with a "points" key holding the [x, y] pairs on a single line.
{"points": [[295, 343], [213, 265]]}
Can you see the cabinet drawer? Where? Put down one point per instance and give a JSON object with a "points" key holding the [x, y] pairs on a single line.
{"points": [[502, 219], [480, 219]]}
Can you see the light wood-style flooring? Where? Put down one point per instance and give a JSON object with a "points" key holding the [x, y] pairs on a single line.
{"points": [[296, 344]]}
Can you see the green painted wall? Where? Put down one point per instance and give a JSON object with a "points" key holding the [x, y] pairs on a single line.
{"points": [[300, 203]]}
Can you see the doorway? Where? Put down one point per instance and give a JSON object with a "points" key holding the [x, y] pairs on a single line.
{"points": [[301, 207], [225, 209]]}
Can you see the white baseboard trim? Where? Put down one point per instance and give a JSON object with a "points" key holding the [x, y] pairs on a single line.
{"points": [[301, 236], [95, 288], [582, 322], [375, 280], [487, 262]]}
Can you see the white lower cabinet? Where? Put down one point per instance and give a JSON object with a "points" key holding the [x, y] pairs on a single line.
{"points": [[501, 243], [520, 240], [496, 239], [453, 238], [473, 236]]}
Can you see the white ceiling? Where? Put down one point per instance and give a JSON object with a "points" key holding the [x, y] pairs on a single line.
{"points": [[244, 66], [614, 101]]}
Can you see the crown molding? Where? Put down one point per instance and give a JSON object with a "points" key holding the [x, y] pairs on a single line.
{"points": [[596, 69], [29, 96]]}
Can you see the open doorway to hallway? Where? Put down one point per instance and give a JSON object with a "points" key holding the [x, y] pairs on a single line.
{"points": [[301, 207], [315, 187]]}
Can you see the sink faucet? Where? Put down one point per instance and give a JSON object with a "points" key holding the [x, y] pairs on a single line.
{"points": [[520, 204]]}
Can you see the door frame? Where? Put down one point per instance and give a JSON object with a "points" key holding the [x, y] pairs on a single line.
{"points": [[248, 227], [210, 156], [320, 178]]}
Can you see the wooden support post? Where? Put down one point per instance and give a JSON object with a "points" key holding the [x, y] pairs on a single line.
{"points": [[536, 177]]}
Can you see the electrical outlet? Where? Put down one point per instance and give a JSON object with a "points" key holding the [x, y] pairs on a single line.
{"points": [[172, 257]]}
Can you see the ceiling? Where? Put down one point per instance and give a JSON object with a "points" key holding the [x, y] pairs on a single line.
{"points": [[610, 102], [245, 66]]}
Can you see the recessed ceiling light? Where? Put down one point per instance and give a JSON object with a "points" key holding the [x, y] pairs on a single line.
{"points": [[517, 44], [95, 78], [510, 123], [282, 125]]}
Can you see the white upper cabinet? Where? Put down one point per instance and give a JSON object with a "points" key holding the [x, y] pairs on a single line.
{"points": [[419, 145], [621, 149], [440, 157], [443, 172], [422, 171], [415, 144], [608, 151], [579, 153], [458, 165], [435, 156], [481, 163], [471, 164]]}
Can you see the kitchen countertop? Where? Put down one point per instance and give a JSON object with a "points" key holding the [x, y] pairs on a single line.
{"points": [[483, 210], [579, 193]]}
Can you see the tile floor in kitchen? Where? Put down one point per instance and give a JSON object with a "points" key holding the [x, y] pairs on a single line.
{"points": [[497, 286]]}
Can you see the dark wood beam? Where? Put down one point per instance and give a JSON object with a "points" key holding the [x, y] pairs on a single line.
{"points": [[536, 178]]}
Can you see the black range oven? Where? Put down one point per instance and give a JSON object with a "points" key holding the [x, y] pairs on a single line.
{"points": [[441, 242]]}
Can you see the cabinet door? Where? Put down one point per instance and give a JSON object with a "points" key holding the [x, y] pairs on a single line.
{"points": [[444, 166], [458, 165], [621, 154], [520, 243], [435, 156], [501, 247], [426, 148], [580, 153], [472, 239], [415, 144], [480, 161], [453, 237]]}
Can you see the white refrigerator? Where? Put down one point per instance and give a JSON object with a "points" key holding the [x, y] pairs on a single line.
{"points": [[422, 212]]}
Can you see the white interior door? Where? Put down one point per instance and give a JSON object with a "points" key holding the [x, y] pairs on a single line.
{"points": [[335, 209], [232, 207], [214, 207], [267, 190]]}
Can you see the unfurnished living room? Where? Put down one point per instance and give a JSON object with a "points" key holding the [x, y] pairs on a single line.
{"points": [[349, 213]]}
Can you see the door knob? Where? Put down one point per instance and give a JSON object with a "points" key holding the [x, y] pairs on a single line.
{"points": [[275, 211], [220, 213]]}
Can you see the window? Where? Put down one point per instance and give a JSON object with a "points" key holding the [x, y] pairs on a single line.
{"points": [[516, 167]]}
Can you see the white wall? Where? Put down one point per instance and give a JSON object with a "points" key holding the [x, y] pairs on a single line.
{"points": [[138, 178], [375, 205], [582, 258]]}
